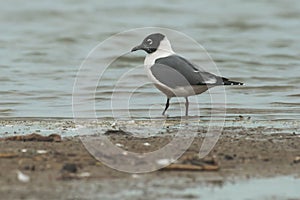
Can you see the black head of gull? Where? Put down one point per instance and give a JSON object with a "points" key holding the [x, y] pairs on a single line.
{"points": [[150, 43]]}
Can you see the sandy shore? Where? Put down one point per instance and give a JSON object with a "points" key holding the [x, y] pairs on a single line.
{"points": [[66, 170]]}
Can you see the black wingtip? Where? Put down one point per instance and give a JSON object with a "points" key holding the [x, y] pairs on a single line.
{"points": [[236, 83], [228, 82]]}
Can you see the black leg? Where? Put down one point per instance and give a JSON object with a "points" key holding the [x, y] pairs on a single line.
{"points": [[186, 106], [167, 106]]}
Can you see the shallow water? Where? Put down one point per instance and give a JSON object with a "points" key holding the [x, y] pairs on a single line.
{"points": [[42, 45], [188, 188]]}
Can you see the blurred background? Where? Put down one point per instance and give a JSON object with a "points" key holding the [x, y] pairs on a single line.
{"points": [[42, 45]]}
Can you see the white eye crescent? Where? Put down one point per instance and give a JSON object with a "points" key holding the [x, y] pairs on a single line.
{"points": [[149, 41]]}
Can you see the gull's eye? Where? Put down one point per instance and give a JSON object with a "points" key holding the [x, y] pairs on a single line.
{"points": [[149, 41]]}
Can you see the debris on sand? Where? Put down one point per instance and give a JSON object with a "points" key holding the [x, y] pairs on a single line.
{"points": [[296, 159], [23, 177], [119, 145], [189, 167], [146, 144], [23, 150], [34, 137], [228, 157], [27, 164], [164, 161], [8, 155], [193, 163], [116, 132], [41, 151], [70, 171], [84, 175], [69, 167], [71, 176]]}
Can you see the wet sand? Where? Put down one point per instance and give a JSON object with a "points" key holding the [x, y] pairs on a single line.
{"points": [[66, 170]]}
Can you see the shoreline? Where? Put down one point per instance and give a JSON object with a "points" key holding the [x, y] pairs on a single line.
{"points": [[240, 154]]}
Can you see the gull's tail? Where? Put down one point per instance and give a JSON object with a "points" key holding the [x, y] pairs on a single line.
{"points": [[228, 82]]}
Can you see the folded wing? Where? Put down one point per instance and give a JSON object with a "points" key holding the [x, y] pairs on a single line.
{"points": [[175, 71]]}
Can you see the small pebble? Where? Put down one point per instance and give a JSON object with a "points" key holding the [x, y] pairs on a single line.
{"points": [[23, 177], [113, 125], [146, 144], [119, 145], [135, 176], [69, 167], [228, 157], [41, 151], [297, 159], [24, 150], [164, 161], [84, 174]]}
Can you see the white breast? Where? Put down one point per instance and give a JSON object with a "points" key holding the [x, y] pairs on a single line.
{"points": [[162, 51]]}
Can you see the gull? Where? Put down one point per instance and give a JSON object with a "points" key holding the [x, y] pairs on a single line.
{"points": [[174, 75]]}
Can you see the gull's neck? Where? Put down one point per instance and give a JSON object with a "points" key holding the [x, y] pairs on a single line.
{"points": [[164, 49]]}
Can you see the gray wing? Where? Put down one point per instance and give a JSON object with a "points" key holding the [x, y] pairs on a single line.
{"points": [[175, 71]]}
